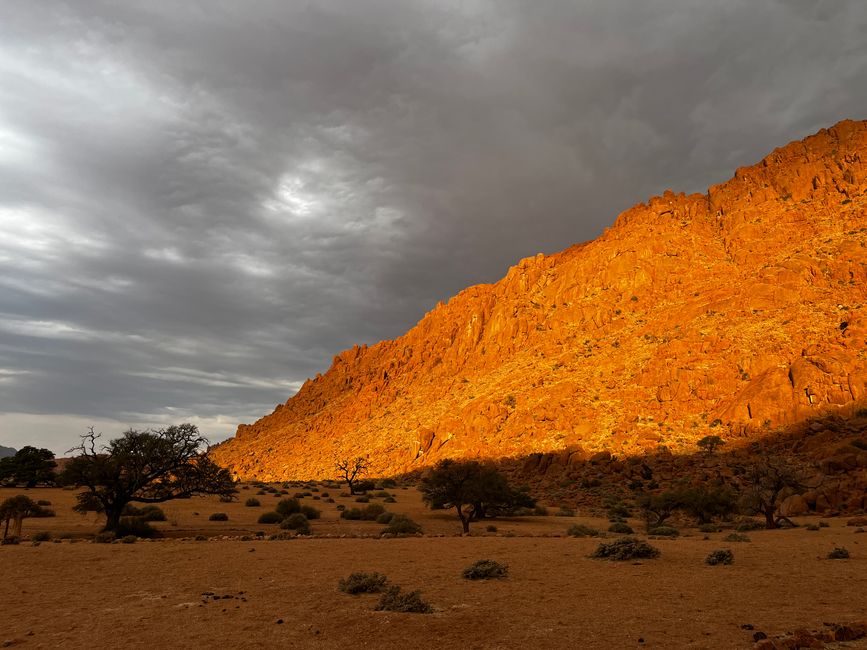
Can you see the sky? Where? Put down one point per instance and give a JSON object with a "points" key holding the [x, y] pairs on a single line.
{"points": [[202, 202]]}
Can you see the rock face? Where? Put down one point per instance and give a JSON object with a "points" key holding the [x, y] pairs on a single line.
{"points": [[730, 313]]}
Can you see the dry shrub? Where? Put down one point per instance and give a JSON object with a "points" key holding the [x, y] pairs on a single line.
{"points": [[625, 548], [485, 570], [720, 556], [362, 583], [580, 530], [395, 600]]}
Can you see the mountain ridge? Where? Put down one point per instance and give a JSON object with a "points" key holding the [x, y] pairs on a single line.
{"points": [[730, 312]]}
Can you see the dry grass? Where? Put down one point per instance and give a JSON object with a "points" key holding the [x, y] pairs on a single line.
{"points": [[149, 594]]}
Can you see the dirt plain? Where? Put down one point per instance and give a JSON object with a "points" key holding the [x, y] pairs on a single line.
{"points": [[283, 593]]}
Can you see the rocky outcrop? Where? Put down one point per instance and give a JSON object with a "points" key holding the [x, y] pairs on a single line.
{"points": [[731, 313]]}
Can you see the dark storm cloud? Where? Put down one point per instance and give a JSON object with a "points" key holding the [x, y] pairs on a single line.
{"points": [[202, 202]]}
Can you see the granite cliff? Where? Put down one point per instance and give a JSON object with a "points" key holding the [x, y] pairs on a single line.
{"points": [[736, 312]]}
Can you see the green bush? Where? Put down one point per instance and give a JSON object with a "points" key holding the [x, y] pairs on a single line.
{"points": [[288, 507], [664, 531], [580, 530], [128, 539], [564, 512], [310, 512], [371, 512], [252, 502], [394, 600], [620, 528], [625, 548], [270, 518], [401, 525], [389, 500], [485, 569], [219, 516], [705, 503], [9, 541], [105, 537], [748, 525], [540, 511], [353, 514], [365, 486], [43, 502], [720, 556], [152, 513], [362, 499], [839, 553], [709, 528], [146, 513], [736, 537], [491, 528], [619, 510], [812, 527], [385, 518], [297, 522], [135, 526], [42, 536], [362, 583]]}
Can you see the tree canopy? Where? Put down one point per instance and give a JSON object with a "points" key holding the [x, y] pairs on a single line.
{"points": [[150, 466], [709, 444], [15, 510], [768, 479], [29, 466], [474, 489]]}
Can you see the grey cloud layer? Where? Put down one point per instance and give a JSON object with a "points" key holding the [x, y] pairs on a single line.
{"points": [[201, 202]]}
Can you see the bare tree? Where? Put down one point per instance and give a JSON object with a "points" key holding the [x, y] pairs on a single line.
{"points": [[351, 470]]}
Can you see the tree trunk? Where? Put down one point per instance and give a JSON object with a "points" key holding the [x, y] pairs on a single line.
{"points": [[351, 486], [465, 522], [770, 522], [112, 518], [16, 528], [6, 531]]}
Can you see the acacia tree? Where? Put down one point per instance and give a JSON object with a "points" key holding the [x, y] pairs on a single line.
{"points": [[767, 480], [146, 467], [659, 507], [15, 510], [472, 488], [350, 470], [709, 444], [29, 466]]}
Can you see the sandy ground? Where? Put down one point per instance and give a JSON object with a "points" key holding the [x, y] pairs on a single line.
{"points": [[149, 594]]}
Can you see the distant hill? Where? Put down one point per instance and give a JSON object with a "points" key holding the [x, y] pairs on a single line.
{"points": [[732, 313], [6, 451]]}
